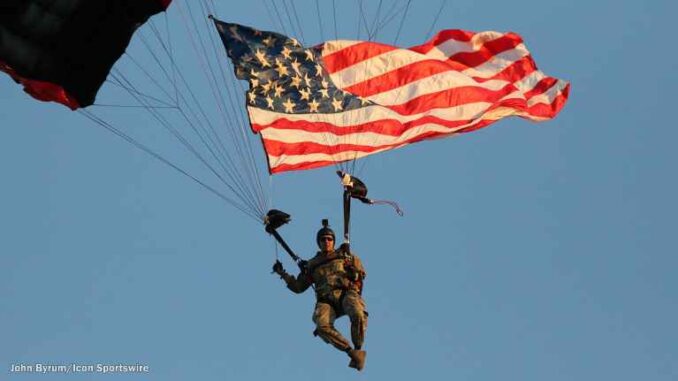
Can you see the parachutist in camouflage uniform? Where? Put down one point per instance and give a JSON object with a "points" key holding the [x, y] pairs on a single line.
{"points": [[338, 278]]}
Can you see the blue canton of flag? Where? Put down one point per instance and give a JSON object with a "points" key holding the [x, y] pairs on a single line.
{"points": [[284, 76]]}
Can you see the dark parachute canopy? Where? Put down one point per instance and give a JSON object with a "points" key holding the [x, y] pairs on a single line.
{"points": [[63, 50], [75, 52]]}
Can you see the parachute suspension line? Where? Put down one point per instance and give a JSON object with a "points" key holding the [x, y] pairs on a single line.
{"points": [[329, 139], [91, 116], [435, 20], [208, 72], [358, 29], [170, 53], [167, 48], [353, 139], [392, 13], [320, 21], [230, 172], [218, 95], [296, 18], [363, 18], [402, 22], [277, 13], [296, 31], [148, 75], [373, 33], [163, 122], [140, 94], [157, 61], [239, 112], [334, 15], [370, 36], [270, 16], [270, 193], [174, 67], [224, 160], [133, 106]]}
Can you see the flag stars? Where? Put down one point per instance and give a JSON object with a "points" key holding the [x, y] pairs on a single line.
{"points": [[313, 105], [235, 34], [252, 97], [269, 41], [286, 53], [278, 90], [337, 104], [309, 55], [318, 70], [296, 81], [305, 94], [269, 102], [324, 93], [281, 69], [295, 42], [261, 56], [289, 105], [307, 80], [295, 65]]}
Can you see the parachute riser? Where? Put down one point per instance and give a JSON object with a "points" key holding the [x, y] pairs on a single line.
{"points": [[284, 245], [347, 218], [355, 188], [275, 219]]}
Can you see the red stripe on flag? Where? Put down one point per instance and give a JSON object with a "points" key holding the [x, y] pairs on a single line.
{"points": [[388, 127], [441, 37], [353, 54], [451, 97], [402, 76]]}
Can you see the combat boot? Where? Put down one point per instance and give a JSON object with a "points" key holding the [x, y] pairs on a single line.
{"points": [[357, 359]]}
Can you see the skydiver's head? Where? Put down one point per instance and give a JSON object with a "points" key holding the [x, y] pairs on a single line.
{"points": [[325, 238]]}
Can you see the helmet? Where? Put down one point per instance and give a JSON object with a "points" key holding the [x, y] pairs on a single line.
{"points": [[324, 231]]}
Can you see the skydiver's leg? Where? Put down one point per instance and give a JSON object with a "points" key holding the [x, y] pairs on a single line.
{"points": [[323, 317], [354, 306]]}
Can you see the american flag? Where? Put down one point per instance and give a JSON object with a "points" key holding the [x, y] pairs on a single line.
{"points": [[343, 100]]}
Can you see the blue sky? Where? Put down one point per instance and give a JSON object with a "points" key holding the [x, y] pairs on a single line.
{"points": [[527, 252]]}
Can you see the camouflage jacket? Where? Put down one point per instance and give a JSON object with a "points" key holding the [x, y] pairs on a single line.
{"points": [[331, 273]]}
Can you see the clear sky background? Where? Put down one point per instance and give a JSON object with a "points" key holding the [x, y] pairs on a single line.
{"points": [[527, 252]]}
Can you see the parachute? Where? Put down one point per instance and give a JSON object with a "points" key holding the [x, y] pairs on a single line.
{"points": [[63, 50], [72, 51]]}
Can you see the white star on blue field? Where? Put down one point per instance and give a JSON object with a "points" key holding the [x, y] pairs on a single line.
{"points": [[284, 76]]}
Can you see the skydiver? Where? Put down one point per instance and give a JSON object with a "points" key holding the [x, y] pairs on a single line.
{"points": [[338, 277]]}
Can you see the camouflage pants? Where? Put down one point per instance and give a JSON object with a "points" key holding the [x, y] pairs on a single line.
{"points": [[329, 309]]}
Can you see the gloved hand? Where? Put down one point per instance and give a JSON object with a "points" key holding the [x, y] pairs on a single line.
{"points": [[278, 268]]}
